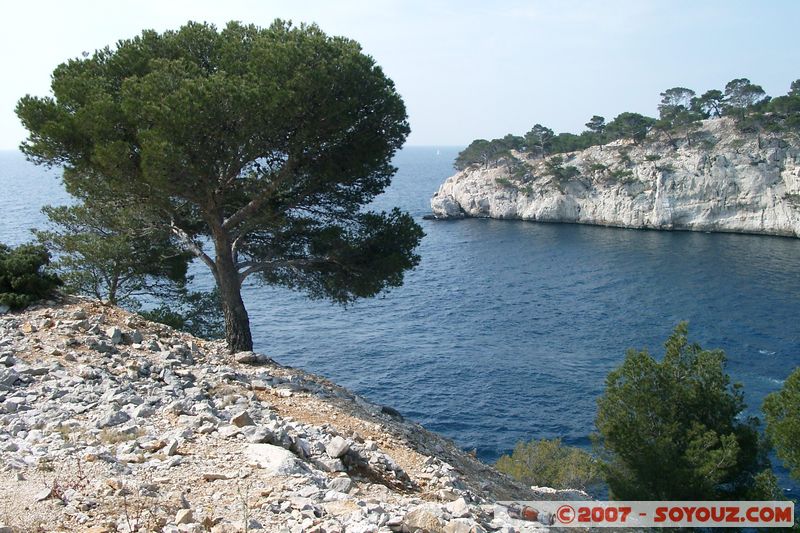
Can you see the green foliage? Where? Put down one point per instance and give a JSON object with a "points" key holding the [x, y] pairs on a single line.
{"points": [[483, 152], [548, 463], [520, 171], [709, 105], [652, 157], [264, 144], [539, 140], [503, 182], [23, 279], [740, 95], [674, 102], [630, 126], [680, 112], [197, 313], [561, 173], [622, 175], [114, 252], [597, 167], [670, 430], [596, 124], [782, 413]]}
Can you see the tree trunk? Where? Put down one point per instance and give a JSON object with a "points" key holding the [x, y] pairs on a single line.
{"points": [[237, 323]]}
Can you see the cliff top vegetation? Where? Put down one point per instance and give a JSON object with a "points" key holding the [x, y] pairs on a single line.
{"points": [[681, 111]]}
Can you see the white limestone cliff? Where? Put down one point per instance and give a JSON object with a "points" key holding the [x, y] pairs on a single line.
{"points": [[724, 180]]}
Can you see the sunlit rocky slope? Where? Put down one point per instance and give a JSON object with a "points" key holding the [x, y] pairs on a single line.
{"points": [[112, 423]]}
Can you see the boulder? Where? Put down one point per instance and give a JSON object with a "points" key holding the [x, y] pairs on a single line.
{"points": [[458, 508], [114, 335], [427, 517], [184, 516], [242, 419], [113, 418], [463, 525], [278, 461], [337, 447], [340, 484]]}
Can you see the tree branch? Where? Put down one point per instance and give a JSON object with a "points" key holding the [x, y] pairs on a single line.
{"points": [[193, 247], [256, 266], [256, 203], [259, 266]]}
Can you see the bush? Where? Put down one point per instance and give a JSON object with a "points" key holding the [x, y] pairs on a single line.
{"points": [[622, 175], [23, 280], [782, 411], [550, 464], [670, 430]]}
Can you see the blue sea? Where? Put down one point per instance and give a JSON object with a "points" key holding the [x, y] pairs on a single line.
{"points": [[507, 329]]}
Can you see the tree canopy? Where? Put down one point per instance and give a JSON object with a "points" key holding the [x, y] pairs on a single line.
{"points": [[256, 148], [670, 430], [680, 111], [782, 413], [114, 252]]}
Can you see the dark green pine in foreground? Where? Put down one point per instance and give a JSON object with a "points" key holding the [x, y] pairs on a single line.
{"points": [[255, 149]]}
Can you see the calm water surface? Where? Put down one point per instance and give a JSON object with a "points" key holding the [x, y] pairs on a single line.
{"points": [[507, 329]]}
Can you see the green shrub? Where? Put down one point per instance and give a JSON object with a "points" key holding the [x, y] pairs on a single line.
{"points": [[622, 175], [652, 157], [782, 411], [597, 167], [668, 167], [23, 279], [671, 429], [548, 463], [504, 182], [561, 173]]}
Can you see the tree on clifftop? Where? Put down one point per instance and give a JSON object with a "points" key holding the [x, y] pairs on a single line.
{"points": [[262, 144]]}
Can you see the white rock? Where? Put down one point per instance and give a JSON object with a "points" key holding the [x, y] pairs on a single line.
{"points": [[458, 508], [114, 335], [340, 484], [171, 448], [463, 525], [113, 418], [277, 460], [740, 184], [242, 419], [427, 517], [184, 516], [337, 447]]}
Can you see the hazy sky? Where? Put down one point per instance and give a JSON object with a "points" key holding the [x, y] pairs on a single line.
{"points": [[466, 69]]}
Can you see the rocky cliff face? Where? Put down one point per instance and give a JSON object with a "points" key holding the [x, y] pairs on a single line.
{"points": [[723, 180], [111, 423]]}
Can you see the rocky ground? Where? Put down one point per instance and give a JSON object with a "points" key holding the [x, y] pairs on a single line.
{"points": [[111, 423]]}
